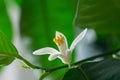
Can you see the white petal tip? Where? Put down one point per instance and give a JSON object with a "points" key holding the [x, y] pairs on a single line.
{"points": [[35, 53], [83, 33], [39, 52], [58, 33], [50, 59], [85, 30]]}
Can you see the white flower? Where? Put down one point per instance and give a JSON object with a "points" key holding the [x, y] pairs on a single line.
{"points": [[64, 52]]}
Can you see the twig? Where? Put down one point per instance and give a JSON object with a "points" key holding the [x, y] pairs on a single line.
{"points": [[28, 63], [84, 60]]}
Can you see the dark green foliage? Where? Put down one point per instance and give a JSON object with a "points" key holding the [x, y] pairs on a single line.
{"points": [[107, 69], [102, 15], [74, 74], [104, 70]]}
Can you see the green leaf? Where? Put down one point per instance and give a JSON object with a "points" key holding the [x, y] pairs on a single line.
{"points": [[5, 23], [74, 74], [102, 15], [108, 69], [7, 50]]}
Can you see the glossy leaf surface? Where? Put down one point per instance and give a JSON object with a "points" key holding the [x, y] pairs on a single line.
{"points": [[107, 69], [102, 15]]}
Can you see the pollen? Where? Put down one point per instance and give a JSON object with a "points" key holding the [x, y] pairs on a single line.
{"points": [[59, 40]]}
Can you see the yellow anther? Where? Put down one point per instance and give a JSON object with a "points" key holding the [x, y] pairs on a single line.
{"points": [[59, 40]]}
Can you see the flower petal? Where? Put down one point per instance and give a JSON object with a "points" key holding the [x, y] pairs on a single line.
{"points": [[53, 56], [61, 42], [65, 59], [78, 39], [46, 50]]}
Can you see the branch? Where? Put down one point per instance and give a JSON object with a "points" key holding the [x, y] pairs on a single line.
{"points": [[22, 59], [28, 63], [84, 60]]}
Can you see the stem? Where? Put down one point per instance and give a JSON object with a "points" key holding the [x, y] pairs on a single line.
{"points": [[60, 67], [22, 59], [56, 68], [97, 56], [28, 63], [84, 60]]}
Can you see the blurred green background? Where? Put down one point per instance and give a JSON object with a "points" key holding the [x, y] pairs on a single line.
{"points": [[40, 19]]}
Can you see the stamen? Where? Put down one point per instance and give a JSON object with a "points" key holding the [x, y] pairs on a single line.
{"points": [[59, 40]]}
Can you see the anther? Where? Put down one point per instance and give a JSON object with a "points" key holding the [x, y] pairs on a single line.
{"points": [[59, 40]]}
